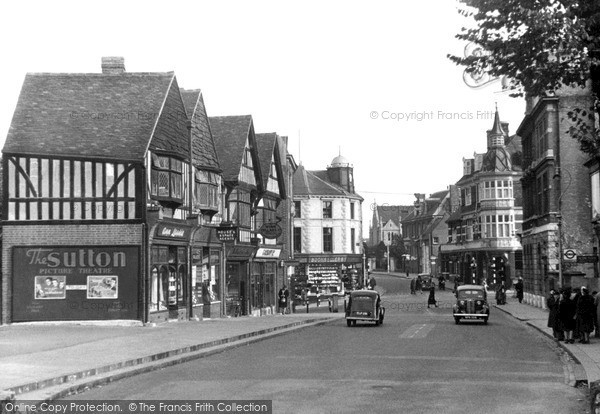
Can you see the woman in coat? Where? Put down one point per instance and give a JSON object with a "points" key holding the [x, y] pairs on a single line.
{"points": [[566, 315], [431, 300], [553, 322], [585, 311]]}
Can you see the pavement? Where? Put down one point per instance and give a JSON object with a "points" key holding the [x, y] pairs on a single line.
{"points": [[587, 355], [47, 361]]}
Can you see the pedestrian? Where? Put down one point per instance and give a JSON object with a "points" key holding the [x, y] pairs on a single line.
{"points": [[419, 284], [442, 282], [456, 285], [431, 300], [407, 273], [585, 315], [566, 315], [283, 299], [500, 294], [372, 283], [552, 303], [519, 289], [575, 295], [413, 284]]}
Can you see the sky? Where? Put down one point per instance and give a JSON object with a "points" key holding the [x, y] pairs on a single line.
{"points": [[369, 80]]}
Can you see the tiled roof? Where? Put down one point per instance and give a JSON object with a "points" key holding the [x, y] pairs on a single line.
{"points": [[394, 213], [92, 115], [317, 183], [230, 134], [266, 148], [203, 146]]}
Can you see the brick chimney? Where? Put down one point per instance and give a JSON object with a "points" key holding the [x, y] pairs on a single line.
{"points": [[113, 65]]}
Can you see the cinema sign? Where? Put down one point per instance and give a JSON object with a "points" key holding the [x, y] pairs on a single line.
{"points": [[75, 283]]}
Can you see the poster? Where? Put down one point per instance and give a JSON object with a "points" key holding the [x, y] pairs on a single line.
{"points": [[102, 287], [50, 287]]}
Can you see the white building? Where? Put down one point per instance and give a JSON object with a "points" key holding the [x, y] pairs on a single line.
{"points": [[327, 227]]}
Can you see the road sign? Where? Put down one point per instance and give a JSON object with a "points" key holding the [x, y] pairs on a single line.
{"points": [[587, 258], [569, 254]]}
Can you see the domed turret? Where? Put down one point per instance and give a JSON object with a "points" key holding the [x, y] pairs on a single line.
{"points": [[341, 172], [340, 161]]}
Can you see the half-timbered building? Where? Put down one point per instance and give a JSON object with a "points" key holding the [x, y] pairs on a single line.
{"points": [[101, 217]]}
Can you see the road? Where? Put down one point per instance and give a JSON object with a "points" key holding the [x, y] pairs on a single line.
{"points": [[418, 361]]}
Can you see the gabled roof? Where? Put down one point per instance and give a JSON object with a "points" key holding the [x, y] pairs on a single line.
{"points": [[230, 134], [394, 213], [269, 149], [204, 152], [432, 206], [317, 183], [111, 116]]}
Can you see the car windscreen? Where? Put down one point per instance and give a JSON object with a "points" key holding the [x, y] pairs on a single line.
{"points": [[470, 294]]}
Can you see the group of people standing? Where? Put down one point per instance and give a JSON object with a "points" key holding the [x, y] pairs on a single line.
{"points": [[573, 314]]}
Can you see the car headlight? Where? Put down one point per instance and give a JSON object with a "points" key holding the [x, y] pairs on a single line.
{"points": [[462, 303], [479, 303]]}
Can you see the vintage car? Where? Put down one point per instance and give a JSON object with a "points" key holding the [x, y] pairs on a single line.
{"points": [[471, 303], [364, 305]]}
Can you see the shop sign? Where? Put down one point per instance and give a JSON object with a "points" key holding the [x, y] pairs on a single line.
{"points": [[75, 283], [587, 258], [270, 230], [265, 253], [327, 259], [169, 231], [227, 233], [242, 252]]}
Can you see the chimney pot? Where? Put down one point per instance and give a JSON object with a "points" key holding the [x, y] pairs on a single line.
{"points": [[113, 65]]}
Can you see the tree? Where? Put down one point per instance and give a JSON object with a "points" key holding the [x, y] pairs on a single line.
{"points": [[397, 248], [541, 46]]}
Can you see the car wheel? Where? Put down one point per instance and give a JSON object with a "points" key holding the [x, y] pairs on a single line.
{"points": [[353, 323], [456, 320], [377, 322], [348, 322], [485, 321]]}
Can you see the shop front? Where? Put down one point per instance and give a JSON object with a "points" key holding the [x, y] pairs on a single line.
{"points": [[237, 279], [53, 283], [207, 280], [325, 274], [170, 282], [263, 299]]}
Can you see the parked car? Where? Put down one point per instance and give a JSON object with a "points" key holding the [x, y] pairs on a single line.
{"points": [[364, 305], [471, 303]]}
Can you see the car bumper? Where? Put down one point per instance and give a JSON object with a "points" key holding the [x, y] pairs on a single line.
{"points": [[472, 315]]}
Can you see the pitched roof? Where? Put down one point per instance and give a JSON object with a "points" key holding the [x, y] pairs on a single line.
{"points": [[92, 115], [317, 183], [230, 134], [204, 151], [394, 213], [266, 148]]}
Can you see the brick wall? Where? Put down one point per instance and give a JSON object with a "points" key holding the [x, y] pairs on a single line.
{"points": [[59, 235]]}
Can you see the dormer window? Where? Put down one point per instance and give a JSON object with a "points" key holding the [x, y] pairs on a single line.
{"points": [[167, 178]]}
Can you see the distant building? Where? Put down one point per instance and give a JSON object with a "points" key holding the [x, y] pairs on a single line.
{"points": [[424, 230], [327, 226], [385, 225], [482, 243]]}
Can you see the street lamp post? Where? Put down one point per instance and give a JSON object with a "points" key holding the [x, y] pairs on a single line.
{"points": [[388, 257]]}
